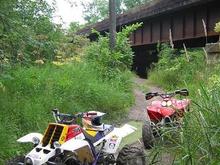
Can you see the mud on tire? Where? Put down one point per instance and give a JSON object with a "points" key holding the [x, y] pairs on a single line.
{"points": [[131, 155], [147, 135]]}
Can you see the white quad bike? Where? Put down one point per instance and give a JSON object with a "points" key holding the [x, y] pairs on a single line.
{"points": [[66, 143]]}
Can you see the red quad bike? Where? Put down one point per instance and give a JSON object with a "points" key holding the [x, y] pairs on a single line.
{"points": [[163, 113]]}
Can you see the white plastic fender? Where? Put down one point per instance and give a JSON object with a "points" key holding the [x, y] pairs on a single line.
{"points": [[113, 139], [74, 144], [40, 157], [121, 132], [29, 137]]}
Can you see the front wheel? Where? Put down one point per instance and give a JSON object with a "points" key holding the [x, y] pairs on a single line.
{"points": [[147, 135], [16, 160], [106, 160], [131, 155], [70, 159]]}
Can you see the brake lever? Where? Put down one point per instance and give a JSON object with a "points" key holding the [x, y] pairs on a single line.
{"points": [[56, 115], [55, 111]]}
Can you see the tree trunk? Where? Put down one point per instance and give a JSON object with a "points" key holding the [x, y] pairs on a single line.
{"points": [[112, 23]]}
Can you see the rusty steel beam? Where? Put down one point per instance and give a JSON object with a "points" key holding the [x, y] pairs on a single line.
{"points": [[182, 17], [155, 8], [184, 24]]}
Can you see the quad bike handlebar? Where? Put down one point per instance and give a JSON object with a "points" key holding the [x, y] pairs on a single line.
{"points": [[183, 92], [63, 118]]}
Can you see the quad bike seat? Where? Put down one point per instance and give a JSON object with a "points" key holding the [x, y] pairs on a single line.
{"points": [[93, 135]]}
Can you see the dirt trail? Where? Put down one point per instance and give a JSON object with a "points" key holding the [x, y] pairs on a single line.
{"points": [[138, 114], [138, 111]]}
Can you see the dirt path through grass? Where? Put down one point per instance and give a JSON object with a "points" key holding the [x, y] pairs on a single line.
{"points": [[138, 114], [141, 87]]}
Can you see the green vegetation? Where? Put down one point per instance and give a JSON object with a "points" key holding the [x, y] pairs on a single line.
{"points": [[198, 141], [217, 27], [97, 10], [29, 94], [111, 63], [177, 69], [27, 33], [88, 76], [78, 76]]}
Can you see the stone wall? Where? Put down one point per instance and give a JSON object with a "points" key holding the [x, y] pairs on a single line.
{"points": [[213, 52]]}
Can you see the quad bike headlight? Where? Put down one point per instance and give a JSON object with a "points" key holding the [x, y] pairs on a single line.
{"points": [[169, 103], [56, 144], [164, 103], [35, 140], [28, 161]]}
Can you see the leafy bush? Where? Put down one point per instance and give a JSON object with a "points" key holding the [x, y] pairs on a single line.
{"points": [[27, 32], [175, 69], [217, 27], [71, 46], [110, 63]]}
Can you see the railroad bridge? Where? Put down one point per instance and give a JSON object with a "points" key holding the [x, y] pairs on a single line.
{"points": [[190, 22]]}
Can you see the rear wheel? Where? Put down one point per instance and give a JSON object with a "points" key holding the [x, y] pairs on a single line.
{"points": [[131, 155], [147, 135]]}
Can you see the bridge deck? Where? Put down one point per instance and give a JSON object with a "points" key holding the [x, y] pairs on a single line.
{"points": [[181, 19]]}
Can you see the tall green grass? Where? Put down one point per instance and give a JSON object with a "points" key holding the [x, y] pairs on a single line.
{"points": [[175, 70], [100, 81], [27, 96], [198, 141]]}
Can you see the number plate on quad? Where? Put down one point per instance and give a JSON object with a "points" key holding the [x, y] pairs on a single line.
{"points": [[112, 144]]}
